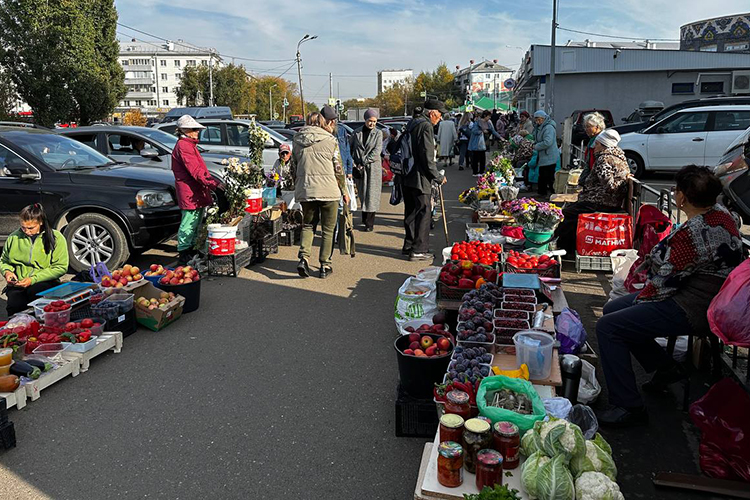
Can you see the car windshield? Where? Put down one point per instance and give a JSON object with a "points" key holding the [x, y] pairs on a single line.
{"points": [[58, 152], [274, 134], [157, 135]]}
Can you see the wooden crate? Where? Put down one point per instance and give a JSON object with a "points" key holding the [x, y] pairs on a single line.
{"points": [[105, 342], [16, 398], [66, 367]]}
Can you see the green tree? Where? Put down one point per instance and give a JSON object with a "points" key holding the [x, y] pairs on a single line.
{"points": [[62, 57], [193, 83], [8, 95]]}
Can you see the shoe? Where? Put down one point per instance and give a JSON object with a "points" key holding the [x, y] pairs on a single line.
{"points": [[184, 257], [406, 251], [325, 271], [460, 168], [418, 257], [369, 229], [303, 268], [664, 377], [617, 416]]}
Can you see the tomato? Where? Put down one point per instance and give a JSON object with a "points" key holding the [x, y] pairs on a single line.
{"points": [[474, 259], [552, 262], [544, 258], [543, 265], [463, 255], [526, 265], [485, 262], [455, 256], [513, 261]]}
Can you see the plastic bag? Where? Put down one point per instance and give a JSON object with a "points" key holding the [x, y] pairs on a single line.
{"points": [[558, 407], [721, 415], [622, 261], [728, 314], [352, 195], [494, 384], [680, 346], [570, 332], [416, 299], [589, 388], [601, 233], [585, 418]]}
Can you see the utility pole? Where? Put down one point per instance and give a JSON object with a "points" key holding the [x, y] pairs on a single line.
{"points": [[330, 85], [551, 84], [286, 103], [211, 78], [304, 39], [270, 102]]}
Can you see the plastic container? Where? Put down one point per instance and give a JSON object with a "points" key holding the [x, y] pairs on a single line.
{"points": [[519, 298], [98, 330], [124, 301], [519, 291], [221, 239], [269, 196], [39, 307], [5, 369], [51, 351], [419, 375], [56, 319], [80, 346], [537, 240], [536, 350], [519, 324], [512, 314], [191, 292], [106, 310], [254, 201], [6, 355]]}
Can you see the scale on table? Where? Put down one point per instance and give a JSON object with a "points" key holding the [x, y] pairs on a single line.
{"points": [[512, 280], [72, 292]]}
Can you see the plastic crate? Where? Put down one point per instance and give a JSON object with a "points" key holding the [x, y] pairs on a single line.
{"points": [[265, 247], [593, 263], [550, 272], [415, 417], [124, 323], [445, 292], [290, 236], [8, 433], [229, 265], [258, 226]]}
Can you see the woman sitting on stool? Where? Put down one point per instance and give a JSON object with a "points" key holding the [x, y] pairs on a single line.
{"points": [[604, 189], [685, 270], [34, 258]]}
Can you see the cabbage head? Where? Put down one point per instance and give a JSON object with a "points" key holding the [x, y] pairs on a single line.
{"points": [[530, 470], [602, 443], [597, 486], [554, 482], [594, 460], [560, 437], [530, 442]]}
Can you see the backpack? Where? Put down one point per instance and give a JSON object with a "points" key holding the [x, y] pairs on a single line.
{"points": [[402, 161]]}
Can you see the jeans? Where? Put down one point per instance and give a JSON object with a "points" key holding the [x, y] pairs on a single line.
{"points": [[188, 231], [546, 179], [416, 220], [327, 213], [19, 298], [463, 146], [627, 328], [478, 159]]}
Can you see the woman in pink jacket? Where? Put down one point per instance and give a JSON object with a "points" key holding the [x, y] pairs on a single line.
{"points": [[193, 184]]}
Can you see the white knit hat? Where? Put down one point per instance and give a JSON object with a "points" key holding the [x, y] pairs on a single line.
{"points": [[187, 122], [608, 138]]}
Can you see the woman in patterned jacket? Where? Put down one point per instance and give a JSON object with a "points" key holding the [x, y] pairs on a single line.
{"points": [[685, 271], [604, 189]]}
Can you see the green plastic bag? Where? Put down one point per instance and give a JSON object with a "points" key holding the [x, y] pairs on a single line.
{"points": [[498, 382]]}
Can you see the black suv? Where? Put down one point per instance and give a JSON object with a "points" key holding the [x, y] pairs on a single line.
{"points": [[105, 209]]}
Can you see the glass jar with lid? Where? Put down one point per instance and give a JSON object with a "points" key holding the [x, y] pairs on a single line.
{"points": [[457, 403], [450, 464], [489, 468], [507, 440], [477, 436], [451, 428]]}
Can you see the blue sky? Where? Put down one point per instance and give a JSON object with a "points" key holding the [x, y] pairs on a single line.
{"points": [[358, 38]]}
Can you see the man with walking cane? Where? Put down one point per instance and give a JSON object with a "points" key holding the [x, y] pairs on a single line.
{"points": [[416, 183]]}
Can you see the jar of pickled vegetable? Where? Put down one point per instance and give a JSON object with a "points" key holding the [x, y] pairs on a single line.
{"points": [[477, 436], [457, 403], [507, 440], [451, 428], [450, 464], [489, 468]]}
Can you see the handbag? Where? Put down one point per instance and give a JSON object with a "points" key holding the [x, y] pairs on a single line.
{"points": [[358, 171]]}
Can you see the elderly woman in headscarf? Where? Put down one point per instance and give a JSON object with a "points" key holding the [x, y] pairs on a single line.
{"points": [[593, 124], [366, 146], [604, 190]]}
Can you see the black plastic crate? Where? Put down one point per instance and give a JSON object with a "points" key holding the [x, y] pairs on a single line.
{"points": [[230, 265], [258, 226], [415, 417], [7, 435], [290, 236], [265, 247]]}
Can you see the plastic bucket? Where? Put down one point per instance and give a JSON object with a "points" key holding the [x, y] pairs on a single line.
{"points": [[269, 196], [254, 201], [191, 292], [221, 239], [536, 350], [538, 240], [419, 375]]}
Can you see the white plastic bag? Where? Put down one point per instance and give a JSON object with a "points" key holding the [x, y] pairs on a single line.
{"points": [[352, 195], [558, 407], [622, 261], [417, 299], [589, 388], [680, 347]]}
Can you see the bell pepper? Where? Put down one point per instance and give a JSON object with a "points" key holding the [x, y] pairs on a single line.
{"points": [[480, 282], [467, 264]]}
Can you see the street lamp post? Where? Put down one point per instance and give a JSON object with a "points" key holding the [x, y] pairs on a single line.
{"points": [[304, 39], [270, 102]]}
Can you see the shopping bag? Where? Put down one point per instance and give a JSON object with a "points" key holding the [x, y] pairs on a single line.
{"points": [[417, 299], [589, 387], [491, 385], [352, 193], [598, 234], [652, 227], [729, 314], [387, 173], [570, 331], [622, 261], [721, 415]]}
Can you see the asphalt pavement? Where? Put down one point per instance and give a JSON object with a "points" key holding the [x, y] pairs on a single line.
{"points": [[276, 388]]}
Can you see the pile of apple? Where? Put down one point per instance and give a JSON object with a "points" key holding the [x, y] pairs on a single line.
{"points": [[467, 275], [161, 303], [424, 346], [122, 277], [156, 270], [180, 276]]}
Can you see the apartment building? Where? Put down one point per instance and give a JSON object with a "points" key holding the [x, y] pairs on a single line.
{"points": [[389, 77]]}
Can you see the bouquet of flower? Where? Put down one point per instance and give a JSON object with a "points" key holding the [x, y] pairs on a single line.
{"points": [[273, 180], [533, 215], [502, 167]]}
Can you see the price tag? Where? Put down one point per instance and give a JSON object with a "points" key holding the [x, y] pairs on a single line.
{"points": [[121, 318]]}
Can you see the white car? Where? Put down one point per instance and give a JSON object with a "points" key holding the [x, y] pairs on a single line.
{"points": [[698, 136]]}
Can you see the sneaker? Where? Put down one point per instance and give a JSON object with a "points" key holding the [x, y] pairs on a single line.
{"points": [[325, 271], [418, 257], [617, 416], [664, 377], [406, 251], [184, 257], [303, 268], [460, 168]]}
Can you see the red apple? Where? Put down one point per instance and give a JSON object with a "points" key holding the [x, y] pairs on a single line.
{"points": [[135, 270], [124, 281], [419, 352], [179, 275], [444, 344], [174, 281], [154, 267], [164, 280], [410, 352], [414, 337], [432, 350], [414, 346], [426, 342]]}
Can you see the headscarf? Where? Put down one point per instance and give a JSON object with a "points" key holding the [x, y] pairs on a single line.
{"points": [[541, 114], [371, 113], [608, 138]]}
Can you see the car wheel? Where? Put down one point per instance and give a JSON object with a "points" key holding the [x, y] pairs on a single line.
{"points": [[635, 162], [94, 238]]}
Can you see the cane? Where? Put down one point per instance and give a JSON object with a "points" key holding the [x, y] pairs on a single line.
{"points": [[442, 210]]}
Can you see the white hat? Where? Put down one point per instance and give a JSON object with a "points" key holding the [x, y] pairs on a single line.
{"points": [[187, 122], [609, 138]]}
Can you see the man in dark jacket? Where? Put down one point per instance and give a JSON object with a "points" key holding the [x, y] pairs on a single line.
{"points": [[417, 184]]}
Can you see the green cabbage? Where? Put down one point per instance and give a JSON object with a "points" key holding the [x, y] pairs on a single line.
{"points": [[560, 437], [530, 442], [529, 471], [553, 480], [602, 443], [594, 460]]}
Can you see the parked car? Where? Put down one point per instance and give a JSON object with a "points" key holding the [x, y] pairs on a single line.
{"points": [[118, 142], [644, 111], [230, 137], [670, 110], [697, 136], [106, 210], [579, 133], [199, 113], [357, 124], [274, 124], [287, 133], [733, 171]]}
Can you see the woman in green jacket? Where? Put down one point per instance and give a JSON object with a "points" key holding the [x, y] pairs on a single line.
{"points": [[34, 258]]}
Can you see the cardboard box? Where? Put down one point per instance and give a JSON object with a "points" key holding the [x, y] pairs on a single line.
{"points": [[156, 319]]}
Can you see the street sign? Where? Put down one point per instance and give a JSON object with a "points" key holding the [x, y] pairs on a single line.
{"points": [[469, 108], [275, 116], [286, 103], [423, 94], [331, 101], [509, 83]]}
